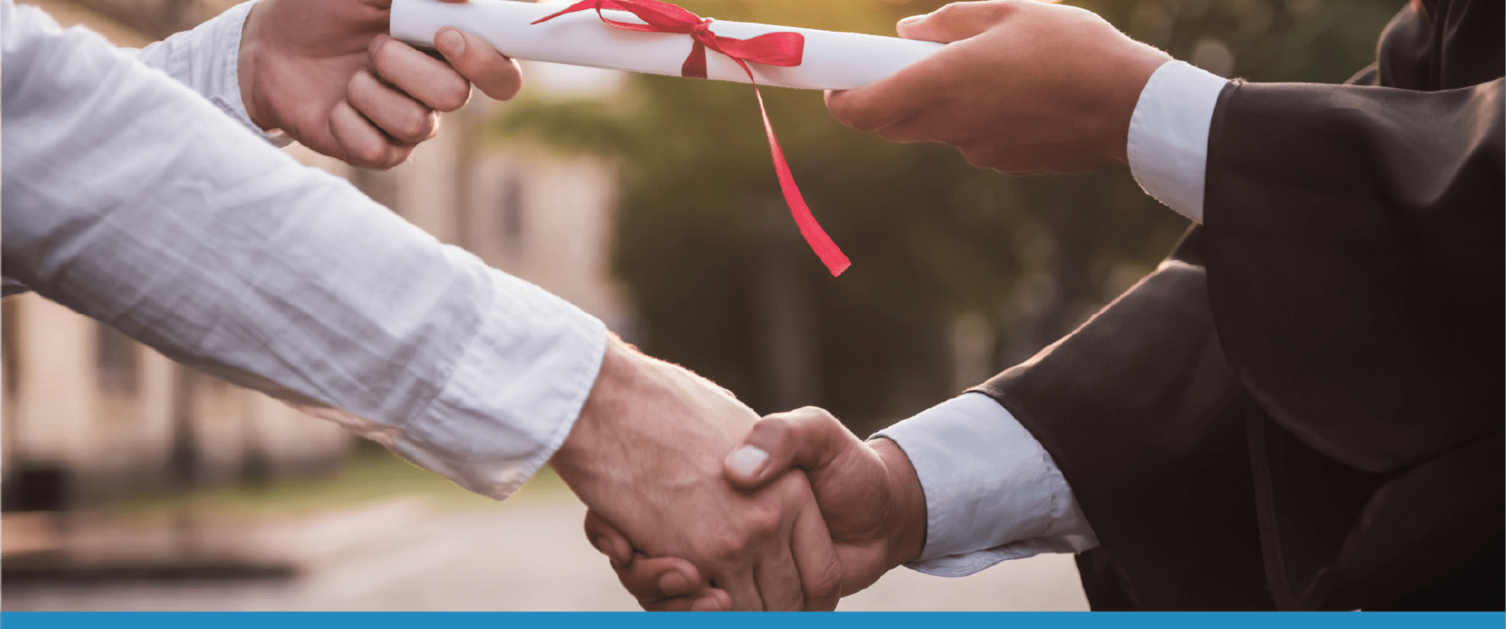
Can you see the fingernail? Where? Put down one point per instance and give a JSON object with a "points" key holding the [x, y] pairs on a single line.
{"points": [[450, 42], [673, 584], [705, 605], [912, 20], [746, 460]]}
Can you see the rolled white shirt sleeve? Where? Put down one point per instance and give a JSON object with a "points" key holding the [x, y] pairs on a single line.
{"points": [[130, 199], [992, 492], [1168, 135], [206, 59]]}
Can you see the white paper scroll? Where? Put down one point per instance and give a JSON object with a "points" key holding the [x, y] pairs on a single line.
{"points": [[835, 61]]}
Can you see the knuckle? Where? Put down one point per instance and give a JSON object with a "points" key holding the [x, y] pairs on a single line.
{"points": [[816, 417], [1001, 7], [814, 411], [766, 518], [396, 157], [367, 156], [726, 548], [949, 11], [420, 124], [771, 430], [454, 95], [380, 157]]}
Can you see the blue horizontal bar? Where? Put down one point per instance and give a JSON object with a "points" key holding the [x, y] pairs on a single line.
{"points": [[864, 620]]}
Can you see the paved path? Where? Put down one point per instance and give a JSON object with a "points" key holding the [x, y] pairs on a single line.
{"points": [[525, 557]]}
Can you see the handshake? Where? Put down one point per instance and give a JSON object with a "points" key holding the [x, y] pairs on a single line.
{"points": [[701, 505]]}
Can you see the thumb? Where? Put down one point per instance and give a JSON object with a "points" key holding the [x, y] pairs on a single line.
{"points": [[808, 438], [493, 73], [954, 22]]}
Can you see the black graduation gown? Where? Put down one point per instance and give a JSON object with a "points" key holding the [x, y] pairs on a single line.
{"points": [[1303, 407]]}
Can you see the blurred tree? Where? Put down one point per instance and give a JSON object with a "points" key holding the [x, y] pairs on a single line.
{"points": [[724, 285]]}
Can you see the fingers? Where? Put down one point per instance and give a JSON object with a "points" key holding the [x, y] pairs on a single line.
{"points": [[918, 87], [363, 144], [909, 131], [778, 583], [808, 438], [659, 584], [816, 559], [607, 539], [890, 100], [395, 113], [660, 578], [496, 75], [670, 584], [742, 590], [429, 80], [954, 22], [709, 603]]}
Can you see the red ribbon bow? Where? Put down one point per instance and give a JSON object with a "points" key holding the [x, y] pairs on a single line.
{"points": [[775, 49]]}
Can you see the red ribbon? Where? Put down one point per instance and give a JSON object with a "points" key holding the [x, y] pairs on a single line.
{"points": [[775, 49]]}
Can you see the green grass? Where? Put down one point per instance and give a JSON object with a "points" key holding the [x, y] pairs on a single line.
{"points": [[370, 475]]}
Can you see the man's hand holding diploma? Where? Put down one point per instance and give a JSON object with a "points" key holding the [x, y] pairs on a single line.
{"points": [[1022, 87], [327, 73]]}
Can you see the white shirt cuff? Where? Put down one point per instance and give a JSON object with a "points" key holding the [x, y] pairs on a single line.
{"points": [[207, 60], [513, 399], [516, 395], [992, 492], [1168, 135]]}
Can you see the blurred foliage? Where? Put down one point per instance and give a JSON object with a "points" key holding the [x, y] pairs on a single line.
{"points": [[723, 285]]}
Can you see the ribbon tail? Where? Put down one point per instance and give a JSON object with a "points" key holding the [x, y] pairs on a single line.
{"points": [[822, 244], [695, 65]]}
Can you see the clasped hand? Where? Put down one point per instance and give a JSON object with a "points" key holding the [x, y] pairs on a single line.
{"points": [[869, 497]]}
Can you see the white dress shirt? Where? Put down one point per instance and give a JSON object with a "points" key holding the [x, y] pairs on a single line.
{"points": [[134, 200], [992, 492]]}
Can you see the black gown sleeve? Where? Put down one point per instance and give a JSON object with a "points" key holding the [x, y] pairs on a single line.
{"points": [[1302, 409], [1354, 256], [1146, 421]]}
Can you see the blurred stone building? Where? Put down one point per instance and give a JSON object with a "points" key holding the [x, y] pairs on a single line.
{"points": [[89, 413]]}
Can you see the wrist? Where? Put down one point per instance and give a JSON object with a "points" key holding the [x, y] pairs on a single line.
{"points": [[1137, 63], [907, 517], [607, 398], [248, 66]]}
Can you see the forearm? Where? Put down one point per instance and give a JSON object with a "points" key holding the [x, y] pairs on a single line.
{"points": [[130, 200]]}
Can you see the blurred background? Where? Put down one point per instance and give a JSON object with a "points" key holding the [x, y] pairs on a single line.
{"points": [[130, 482]]}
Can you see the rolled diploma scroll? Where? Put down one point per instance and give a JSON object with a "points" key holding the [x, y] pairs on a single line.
{"points": [[832, 61]]}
